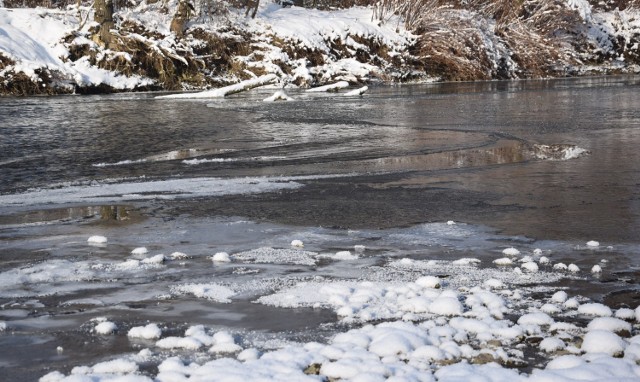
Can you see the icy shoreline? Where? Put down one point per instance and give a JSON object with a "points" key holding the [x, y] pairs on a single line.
{"points": [[490, 306], [472, 322]]}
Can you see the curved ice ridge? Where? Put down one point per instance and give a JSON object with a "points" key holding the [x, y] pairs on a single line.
{"points": [[103, 192]]}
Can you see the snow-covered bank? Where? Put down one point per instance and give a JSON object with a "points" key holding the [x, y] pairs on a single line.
{"points": [[47, 51]]}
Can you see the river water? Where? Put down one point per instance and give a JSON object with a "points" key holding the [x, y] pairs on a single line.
{"points": [[529, 164]]}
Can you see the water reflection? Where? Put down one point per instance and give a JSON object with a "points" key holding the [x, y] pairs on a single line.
{"points": [[114, 213]]}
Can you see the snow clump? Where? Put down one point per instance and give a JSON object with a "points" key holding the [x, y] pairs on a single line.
{"points": [[503, 261], [140, 251], [511, 251], [610, 324], [552, 344], [573, 268], [221, 257], [97, 239], [625, 314], [105, 328], [429, 282], [530, 266], [593, 244], [602, 341], [149, 332], [595, 309]]}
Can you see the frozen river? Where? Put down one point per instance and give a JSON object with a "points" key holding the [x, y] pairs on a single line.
{"points": [[540, 166]]}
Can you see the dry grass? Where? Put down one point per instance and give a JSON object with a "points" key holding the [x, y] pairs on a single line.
{"points": [[455, 50]]}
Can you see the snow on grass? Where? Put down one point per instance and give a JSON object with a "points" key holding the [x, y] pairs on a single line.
{"points": [[148, 332], [3, 326], [210, 291], [33, 38], [311, 28]]}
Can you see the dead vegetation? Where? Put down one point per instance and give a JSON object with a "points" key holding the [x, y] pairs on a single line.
{"points": [[458, 40]]}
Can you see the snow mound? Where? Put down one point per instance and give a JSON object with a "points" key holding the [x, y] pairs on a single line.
{"points": [[609, 324], [105, 328], [511, 251], [602, 341], [221, 257], [595, 309], [149, 332], [140, 251], [97, 239]]}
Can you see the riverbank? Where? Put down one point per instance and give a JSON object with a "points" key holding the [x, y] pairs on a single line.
{"points": [[53, 51]]}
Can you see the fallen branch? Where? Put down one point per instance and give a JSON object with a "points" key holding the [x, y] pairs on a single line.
{"points": [[227, 90], [357, 92], [330, 87]]}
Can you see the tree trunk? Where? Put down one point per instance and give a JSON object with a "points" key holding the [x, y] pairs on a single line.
{"points": [[104, 17], [179, 22], [252, 7]]}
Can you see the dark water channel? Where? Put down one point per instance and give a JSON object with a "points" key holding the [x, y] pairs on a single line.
{"points": [[531, 163]]}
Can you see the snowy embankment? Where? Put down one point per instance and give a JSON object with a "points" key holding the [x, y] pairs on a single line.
{"points": [[399, 322], [35, 60], [47, 51]]}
